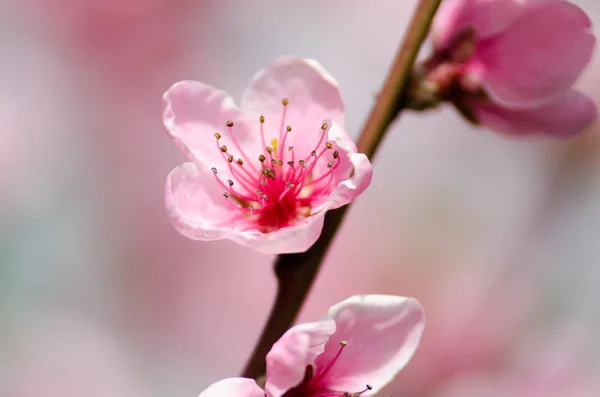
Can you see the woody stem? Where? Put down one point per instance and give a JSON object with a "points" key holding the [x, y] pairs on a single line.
{"points": [[296, 272]]}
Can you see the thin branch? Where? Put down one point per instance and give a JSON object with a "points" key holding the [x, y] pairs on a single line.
{"points": [[296, 272]]}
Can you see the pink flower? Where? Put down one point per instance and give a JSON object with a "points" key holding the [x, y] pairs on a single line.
{"points": [[516, 61], [262, 175], [356, 348]]}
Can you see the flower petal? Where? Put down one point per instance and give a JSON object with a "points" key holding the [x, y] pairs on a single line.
{"points": [[195, 205], [312, 94], [382, 333], [233, 387], [539, 56], [290, 239], [353, 178], [293, 352], [194, 112], [487, 17], [563, 116]]}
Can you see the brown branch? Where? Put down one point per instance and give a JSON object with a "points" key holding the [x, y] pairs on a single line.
{"points": [[296, 272]]}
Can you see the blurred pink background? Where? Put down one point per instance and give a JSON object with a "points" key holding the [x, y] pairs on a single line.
{"points": [[101, 296]]}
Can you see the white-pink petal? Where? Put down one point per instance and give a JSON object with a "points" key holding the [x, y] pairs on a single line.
{"points": [[233, 387], [382, 334], [194, 112], [195, 204], [313, 93], [295, 238], [292, 353]]}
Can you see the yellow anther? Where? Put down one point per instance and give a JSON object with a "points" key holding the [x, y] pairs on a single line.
{"points": [[261, 119], [288, 128], [217, 135], [285, 101], [229, 124]]}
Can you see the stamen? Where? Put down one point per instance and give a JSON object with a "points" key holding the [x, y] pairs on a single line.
{"points": [[261, 119], [321, 375], [217, 135], [224, 149], [328, 145], [237, 146], [230, 158], [240, 161], [262, 158]]}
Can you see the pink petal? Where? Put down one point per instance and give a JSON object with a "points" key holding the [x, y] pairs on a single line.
{"points": [[351, 179], [563, 116], [291, 239], [487, 17], [194, 112], [233, 387], [382, 334], [292, 353], [312, 93], [540, 55], [195, 205]]}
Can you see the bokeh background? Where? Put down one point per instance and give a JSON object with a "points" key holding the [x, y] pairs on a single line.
{"points": [[100, 296]]}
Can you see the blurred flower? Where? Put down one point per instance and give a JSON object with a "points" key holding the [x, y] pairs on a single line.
{"points": [[548, 369], [263, 175], [510, 65], [362, 339]]}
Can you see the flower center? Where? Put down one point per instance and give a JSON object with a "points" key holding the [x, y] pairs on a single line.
{"points": [[278, 187], [314, 385]]}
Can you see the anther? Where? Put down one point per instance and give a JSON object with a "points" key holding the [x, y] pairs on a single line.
{"points": [[313, 153], [330, 164], [240, 161], [290, 148], [336, 154], [230, 182], [369, 387], [285, 101], [302, 163], [261, 119], [224, 149], [291, 163], [324, 126], [280, 162], [269, 149], [226, 195], [289, 184], [343, 343], [288, 128], [217, 135], [230, 124], [230, 158], [261, 158], [262, 182], [214, 170], [260, 192], [328, 145], [273, 161]]}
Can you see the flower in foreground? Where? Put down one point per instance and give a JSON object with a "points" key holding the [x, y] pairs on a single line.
{"points": [[514, 63], [263, 174], [355, 349]]}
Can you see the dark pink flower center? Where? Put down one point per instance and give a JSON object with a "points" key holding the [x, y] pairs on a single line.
{"points": [[315, 384], [278, 186]]}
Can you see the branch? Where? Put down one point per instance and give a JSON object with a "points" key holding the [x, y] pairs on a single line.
{"points": [[296, 272]]}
